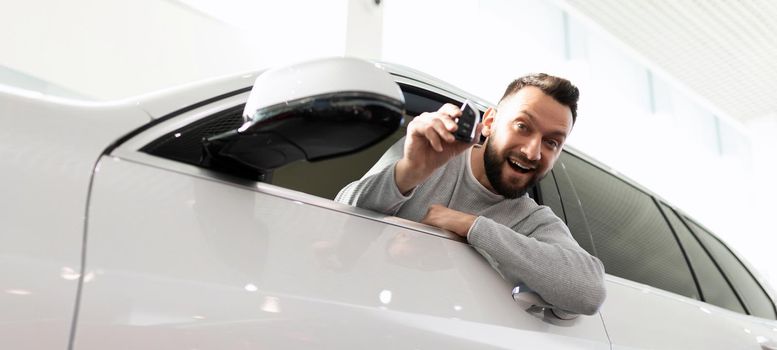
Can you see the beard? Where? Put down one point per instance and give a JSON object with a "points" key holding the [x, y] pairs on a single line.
{"points": [[494, 164]]}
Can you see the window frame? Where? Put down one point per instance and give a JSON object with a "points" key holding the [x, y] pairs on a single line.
{"points": [[687, 220], [573, 206], [129, 148], [706, 251]]}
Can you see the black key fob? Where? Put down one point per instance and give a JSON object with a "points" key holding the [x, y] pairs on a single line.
{"points": [[470, 117]]}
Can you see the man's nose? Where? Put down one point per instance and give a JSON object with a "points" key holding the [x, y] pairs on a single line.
{"points": [[532, 148]]}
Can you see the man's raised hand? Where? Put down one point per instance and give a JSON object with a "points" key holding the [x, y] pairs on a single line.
{"points": [[429, 145]]}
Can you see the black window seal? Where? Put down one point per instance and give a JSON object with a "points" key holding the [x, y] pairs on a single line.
{"points": [[682, 248], [173, 114], [695, 235], [560, 198], [575, 196]]}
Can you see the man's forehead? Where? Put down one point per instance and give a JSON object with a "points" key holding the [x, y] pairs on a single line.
{"points": [[528, 95], [533, 103]]}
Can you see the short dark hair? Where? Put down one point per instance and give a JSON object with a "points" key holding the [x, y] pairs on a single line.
{"points": [[560, 89]]}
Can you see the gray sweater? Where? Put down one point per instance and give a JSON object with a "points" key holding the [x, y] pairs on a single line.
{"points": [[525, 242]]}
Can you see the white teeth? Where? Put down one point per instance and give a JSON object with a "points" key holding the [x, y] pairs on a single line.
{"points": [[520, 165]]}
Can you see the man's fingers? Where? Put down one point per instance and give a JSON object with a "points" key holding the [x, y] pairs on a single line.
{"points": [[446, 119], [449, 124], [450, 110], [433, 138], [443, 131], [435, 129]]}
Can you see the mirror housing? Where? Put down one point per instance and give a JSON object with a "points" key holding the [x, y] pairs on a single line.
{"points": [[313, 110]]}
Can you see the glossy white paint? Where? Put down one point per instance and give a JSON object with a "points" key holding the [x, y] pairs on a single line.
{"points": [[181, 262], [160, 103], [319, 77], [642, 317], [48, 149]]}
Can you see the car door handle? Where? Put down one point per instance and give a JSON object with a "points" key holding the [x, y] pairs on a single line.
{"points": [[533, 302], [770, 346], [766, 343]]}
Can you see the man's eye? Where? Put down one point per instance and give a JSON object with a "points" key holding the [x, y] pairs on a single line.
{"points": [[521, 126], [552, 143]]}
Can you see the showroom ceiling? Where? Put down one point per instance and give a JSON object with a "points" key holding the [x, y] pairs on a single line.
{"points": [[725, 51]]}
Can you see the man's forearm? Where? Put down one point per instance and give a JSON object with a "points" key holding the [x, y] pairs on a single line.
{"points": [[376, 192], [548, 262], [449, 219], [407, 176]]}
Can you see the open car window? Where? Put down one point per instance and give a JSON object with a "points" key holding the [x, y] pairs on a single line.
{"points": [[322, 178]]}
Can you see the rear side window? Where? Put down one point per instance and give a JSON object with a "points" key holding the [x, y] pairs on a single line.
{"points": [[754, 297], [714, 287], [630, 235]]}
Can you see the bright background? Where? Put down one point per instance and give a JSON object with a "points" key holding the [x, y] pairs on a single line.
{"points": [[634, 115]]}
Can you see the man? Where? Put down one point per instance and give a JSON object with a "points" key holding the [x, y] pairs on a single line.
{"points": [[479, 192]]}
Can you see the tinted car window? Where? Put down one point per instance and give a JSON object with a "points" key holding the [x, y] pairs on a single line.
{"points": [[573, 214], [714, 287], [755, 299], [548, 195], [630, 235]]}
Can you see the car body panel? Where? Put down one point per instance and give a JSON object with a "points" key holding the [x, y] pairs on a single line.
{"points": [[214, 265], [643, 317], [49, 148], [163, 102]]}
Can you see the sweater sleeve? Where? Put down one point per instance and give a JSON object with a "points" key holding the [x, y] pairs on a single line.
{"points": [[547, 260], [377, 192]]}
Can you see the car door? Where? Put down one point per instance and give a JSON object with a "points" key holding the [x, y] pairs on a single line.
{"points": [[48, 149], [186, 257], [653, 299]]}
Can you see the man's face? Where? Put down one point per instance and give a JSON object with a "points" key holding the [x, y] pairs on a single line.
{"points": [[525, 137]]}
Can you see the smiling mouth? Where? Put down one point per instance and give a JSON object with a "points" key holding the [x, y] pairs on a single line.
{"points": [[517, 166]]}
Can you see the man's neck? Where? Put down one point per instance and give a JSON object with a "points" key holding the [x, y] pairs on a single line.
{"points": [[478, 166]]}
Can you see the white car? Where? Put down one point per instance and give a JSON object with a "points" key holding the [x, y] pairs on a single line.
{"points": [[173, 221]]}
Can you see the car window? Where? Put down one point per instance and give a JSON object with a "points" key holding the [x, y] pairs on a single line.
{"points": [[548, 195], [326, 178], [185, 144], [715, 289], [756, 300], [322, 178], [573, 214], [630, 235]]}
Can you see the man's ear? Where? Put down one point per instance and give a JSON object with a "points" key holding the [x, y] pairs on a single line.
{"points": [[488, 121]]}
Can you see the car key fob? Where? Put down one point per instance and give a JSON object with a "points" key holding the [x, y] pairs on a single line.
{"points": [[467, 123]]}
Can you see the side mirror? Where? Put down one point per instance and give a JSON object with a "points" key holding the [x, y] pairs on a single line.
{"points": [[313, 111]]}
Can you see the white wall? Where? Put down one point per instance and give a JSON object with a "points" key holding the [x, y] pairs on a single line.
{"points": [[112, 49], [760, 238]]}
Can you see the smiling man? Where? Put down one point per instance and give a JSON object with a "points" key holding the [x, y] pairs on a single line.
{"points": [[479, 192]]}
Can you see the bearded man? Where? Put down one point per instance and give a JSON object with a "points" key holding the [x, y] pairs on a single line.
{"points": [[480, 192]]}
